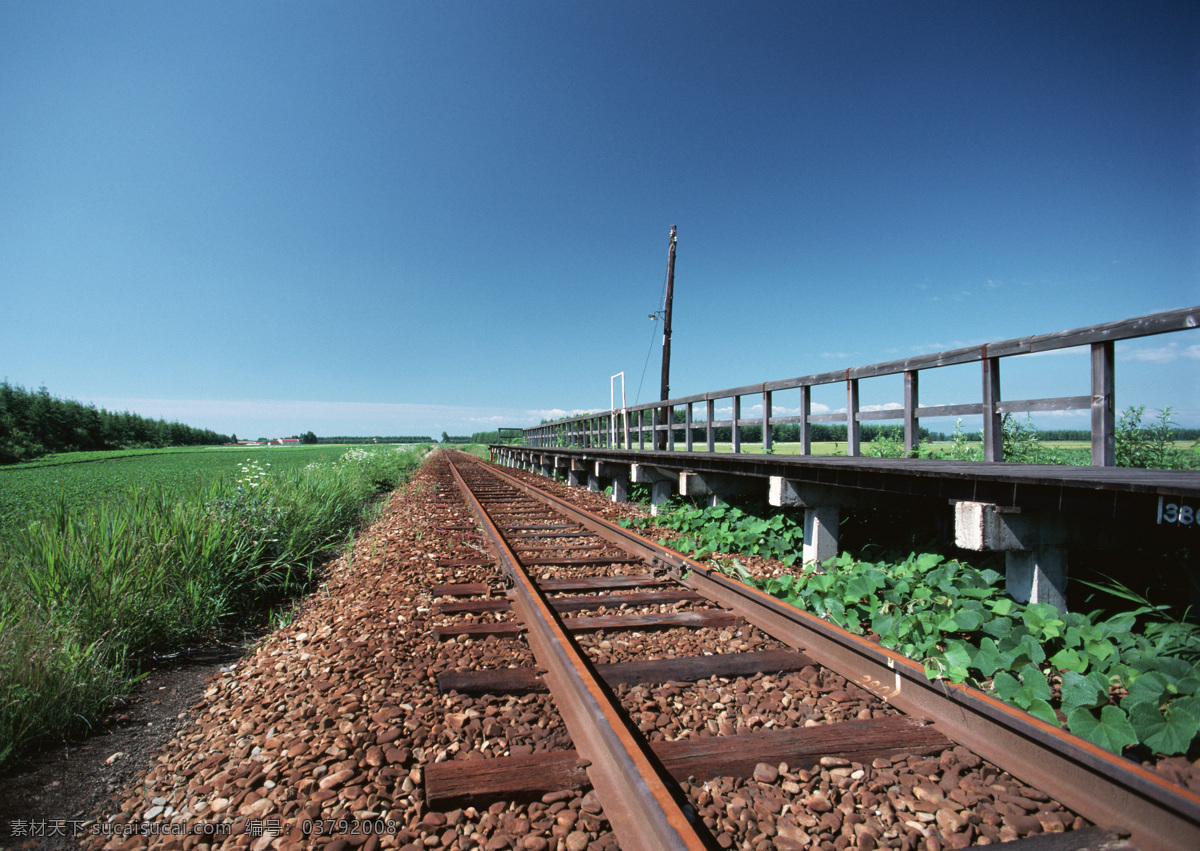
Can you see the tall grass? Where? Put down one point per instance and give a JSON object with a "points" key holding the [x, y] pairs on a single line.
{"points": [[90, 595]]}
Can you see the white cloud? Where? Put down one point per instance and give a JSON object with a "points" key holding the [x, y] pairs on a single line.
{"points": [[1168, 353]]}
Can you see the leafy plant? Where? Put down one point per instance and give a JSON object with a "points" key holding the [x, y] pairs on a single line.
{"points": [[1121, 680], [1150, 445], [727, 529]]}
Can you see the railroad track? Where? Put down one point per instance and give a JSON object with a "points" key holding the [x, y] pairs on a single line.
{"points": [[704, 713]]}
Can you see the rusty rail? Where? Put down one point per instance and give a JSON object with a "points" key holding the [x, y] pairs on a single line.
{"points": [[1103, 787], [637, 794]]}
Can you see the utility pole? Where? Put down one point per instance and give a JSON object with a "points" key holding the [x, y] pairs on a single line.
{"points": [[660, 440]]}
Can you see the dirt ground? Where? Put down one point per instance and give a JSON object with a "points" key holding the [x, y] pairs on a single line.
{"points": [[63, 789]]}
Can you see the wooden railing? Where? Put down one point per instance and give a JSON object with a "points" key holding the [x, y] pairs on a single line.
{"points": [[619, 428]]}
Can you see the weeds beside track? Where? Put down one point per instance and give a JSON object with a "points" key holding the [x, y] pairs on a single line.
{"points": [[91, 592]]}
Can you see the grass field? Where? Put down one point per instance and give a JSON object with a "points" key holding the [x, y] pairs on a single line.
{"points": [[82, 479], [108, 559]]}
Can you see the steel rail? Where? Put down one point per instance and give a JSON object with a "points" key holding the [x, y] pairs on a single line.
{"points": [[635, 790], [1103, 787]]}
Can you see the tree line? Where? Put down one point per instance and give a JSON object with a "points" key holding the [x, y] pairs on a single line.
{"points": [[34, 423]]}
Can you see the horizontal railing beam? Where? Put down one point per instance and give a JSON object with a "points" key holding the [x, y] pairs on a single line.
{"points": [[577, 429]]}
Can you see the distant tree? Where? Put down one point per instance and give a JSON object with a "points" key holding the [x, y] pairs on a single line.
{"points": [[233, 438], [308, 437], [445, 437]]}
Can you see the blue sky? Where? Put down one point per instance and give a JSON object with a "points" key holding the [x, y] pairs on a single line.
{"points": [[386, 217]]}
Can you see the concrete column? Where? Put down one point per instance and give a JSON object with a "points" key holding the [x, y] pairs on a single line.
{"points": [[1037, 576], [593, 482], [620, 488], [717, 489], [821, 515], [820, 534], [1034, 547], [574, 477], [660, 493], [662, 483]]}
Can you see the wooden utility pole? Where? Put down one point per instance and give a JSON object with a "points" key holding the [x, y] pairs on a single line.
{"points": [[660, 440]]}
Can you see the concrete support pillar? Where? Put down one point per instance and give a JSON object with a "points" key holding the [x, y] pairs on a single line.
{"points": [[716, 489], [593, 482], [574, 477], [662, 483], [1037, 576], [547, 469], [660, 494], [1034, 545], [618, 475], [820, 534], [821, 515]]}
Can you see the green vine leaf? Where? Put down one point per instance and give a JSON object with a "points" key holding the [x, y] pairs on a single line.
{"points": [[1111, 731]]}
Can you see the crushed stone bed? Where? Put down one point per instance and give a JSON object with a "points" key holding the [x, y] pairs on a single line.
{"points": [[331, 721]]}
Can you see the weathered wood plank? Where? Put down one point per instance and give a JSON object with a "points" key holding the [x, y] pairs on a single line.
{"points": [[683, 669], [800, 747], [458, 782], [466, 589], [465, 562], [479, 781], [581, 562], [599, 583], [1060, 403], [474, 607], [693, 620], [577, 604], [648, 598], [499, 629]]}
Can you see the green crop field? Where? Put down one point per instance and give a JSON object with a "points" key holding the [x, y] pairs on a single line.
{"points": [[82, 479], [110, 558]]}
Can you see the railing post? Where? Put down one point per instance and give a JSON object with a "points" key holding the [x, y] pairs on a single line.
{"points": [[641, 429], [654, 417], [736, 434], [670, 413], [805, 411], [710, 406], [687, 426], [912, 432], [1104, 423], [993, 431], [853, 429], [625, 425], [766, 435]]}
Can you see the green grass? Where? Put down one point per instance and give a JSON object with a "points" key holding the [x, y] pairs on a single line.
{"points": [[147, 551], [82, 479]]}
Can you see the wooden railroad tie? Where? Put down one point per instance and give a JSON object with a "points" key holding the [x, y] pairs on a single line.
{"points": [[579, 603], [691, 620], [455, 782], [683, 669]]}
